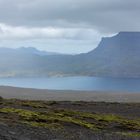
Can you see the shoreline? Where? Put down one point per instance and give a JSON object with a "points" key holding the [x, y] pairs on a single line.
{"points": [[67, 95]]}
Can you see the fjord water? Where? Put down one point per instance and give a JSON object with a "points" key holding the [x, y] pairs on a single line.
{"points": [[75, 83]]}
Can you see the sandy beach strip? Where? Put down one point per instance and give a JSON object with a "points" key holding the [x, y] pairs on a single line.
{"points": [[62, 95]]}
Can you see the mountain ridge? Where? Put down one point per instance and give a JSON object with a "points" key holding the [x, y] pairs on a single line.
{"points": [[28, 50], [116, 56]]}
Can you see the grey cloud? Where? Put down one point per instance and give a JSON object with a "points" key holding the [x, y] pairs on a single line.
{"points": [[25, 33], [106, 16]]}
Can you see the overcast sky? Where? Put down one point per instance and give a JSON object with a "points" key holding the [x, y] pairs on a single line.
{"points": [[68, 26]]}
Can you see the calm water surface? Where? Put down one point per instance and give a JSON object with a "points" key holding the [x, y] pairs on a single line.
{"points": [[75, 83]]}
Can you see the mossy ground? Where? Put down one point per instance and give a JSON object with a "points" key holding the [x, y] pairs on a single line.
{"points": [[50, 115]]}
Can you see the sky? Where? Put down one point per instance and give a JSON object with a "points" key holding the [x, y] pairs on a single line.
{"points": [[65, 26]]}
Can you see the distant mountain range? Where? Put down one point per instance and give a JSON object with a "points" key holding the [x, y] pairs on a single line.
{"points": [[117, 56], [26, 50]]}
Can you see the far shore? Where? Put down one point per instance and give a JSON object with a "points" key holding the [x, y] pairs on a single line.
{"points": [[62, 95]]}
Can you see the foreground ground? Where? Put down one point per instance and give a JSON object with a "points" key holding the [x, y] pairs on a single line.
{"points": [[68, 120]]}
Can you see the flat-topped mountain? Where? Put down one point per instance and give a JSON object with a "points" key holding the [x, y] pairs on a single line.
{"points": [[124, 41], [117, 56]]}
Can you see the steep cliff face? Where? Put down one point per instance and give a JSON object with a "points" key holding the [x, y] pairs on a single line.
{"points": [[122, 42], [118, 56]]}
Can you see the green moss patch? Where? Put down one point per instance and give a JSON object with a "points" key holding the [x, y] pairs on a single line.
{"points": [[45, 115]]}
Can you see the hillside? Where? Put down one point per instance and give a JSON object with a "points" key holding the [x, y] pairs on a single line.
{"points": [[116, 56]]}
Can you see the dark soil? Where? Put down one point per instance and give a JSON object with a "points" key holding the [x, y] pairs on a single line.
{"points": [[65, 120]]}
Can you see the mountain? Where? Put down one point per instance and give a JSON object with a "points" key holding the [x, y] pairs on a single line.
{"points": [[117, 56], [26, 50], [33, 50], [26, 62]]}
